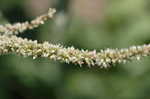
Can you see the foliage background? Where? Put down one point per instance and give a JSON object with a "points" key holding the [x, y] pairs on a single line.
{"points": [[107, 24]]}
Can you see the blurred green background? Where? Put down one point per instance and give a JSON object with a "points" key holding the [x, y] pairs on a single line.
{"points": [[88, 24]]}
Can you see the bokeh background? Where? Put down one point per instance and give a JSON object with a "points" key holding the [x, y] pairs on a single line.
{"points": [[87, 24]]}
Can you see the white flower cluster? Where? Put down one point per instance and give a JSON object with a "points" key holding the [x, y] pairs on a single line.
{"points": [[16, 28], [25, 47], [103, 59]]}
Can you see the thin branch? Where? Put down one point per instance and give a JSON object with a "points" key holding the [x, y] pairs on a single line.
{"points": [[17, 28], [103, 59]]}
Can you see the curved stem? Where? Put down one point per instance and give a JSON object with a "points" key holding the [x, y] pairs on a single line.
{"points": [[103, 59]]}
